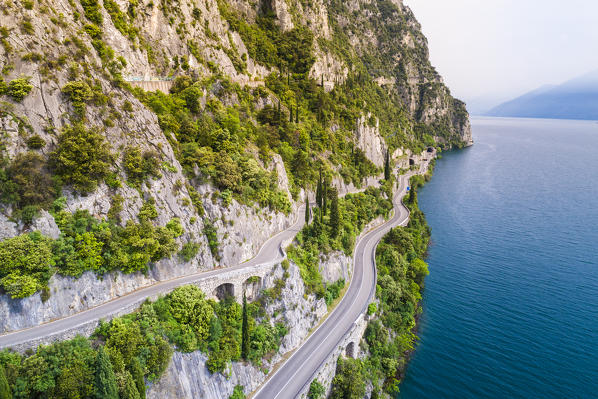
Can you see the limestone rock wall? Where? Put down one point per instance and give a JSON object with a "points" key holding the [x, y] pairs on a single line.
{"points": [[369, 139]]}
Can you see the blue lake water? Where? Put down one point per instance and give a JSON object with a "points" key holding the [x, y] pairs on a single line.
{"points": [[511, 303]]}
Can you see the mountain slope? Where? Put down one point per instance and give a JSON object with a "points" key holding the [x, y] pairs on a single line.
{"points": [[574, 99]]}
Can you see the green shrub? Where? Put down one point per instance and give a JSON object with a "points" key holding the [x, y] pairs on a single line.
{"points": [[316, 390], [25, 264], [83, 158], [189, 251], [35, 142], [212, 236], [19, 88], [140, 166], [372, 307], [91, 9], [27, 182], [79, 93], [238, 393]]}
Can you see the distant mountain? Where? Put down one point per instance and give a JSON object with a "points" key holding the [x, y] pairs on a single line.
{"points": [[575, 99]]}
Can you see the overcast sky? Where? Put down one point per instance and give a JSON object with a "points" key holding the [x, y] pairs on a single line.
{"points": [[491, 50]]}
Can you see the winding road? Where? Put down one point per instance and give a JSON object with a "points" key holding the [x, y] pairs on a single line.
{"points": [[295, 375], [297, 372], [269, 252]]}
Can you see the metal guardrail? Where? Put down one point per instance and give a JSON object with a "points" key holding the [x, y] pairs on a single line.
{"points": [[151, 79]]}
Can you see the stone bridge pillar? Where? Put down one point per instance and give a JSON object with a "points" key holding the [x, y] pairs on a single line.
{"points": [[239, 291]]}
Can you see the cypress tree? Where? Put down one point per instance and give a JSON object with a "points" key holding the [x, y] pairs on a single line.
{"points": [[334, 215], [245, 331], [319, 191], [137, 374], [291, 114], [4, 387], [387, 166], [279, 111], [411, 195], [105, 380], [306, 208], [324, 197], [128, 389], [297, 114]]}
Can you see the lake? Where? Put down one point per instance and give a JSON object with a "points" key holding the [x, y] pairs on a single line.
{"points": [[511, 303]]}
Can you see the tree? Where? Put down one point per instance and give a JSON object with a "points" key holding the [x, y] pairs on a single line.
{"points": [[412, 195], [334, 214], [291, 114], [307, 211], [25, 264], [387, 166], [279, 113], [4, 387], [349, 380], [297, 114], [137, 374], [29, 181], [188, 306], [319, 191], [316, 390], [245, 331], [105, 381], [325, 198], [128, 389], [82, 157]]}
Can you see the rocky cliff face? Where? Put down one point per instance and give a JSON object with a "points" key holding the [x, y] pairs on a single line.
{"points": [[360, 67]]}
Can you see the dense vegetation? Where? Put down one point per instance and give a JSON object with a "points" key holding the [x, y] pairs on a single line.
{"points": [[124, 353], [390, 337], [28, 261], [336, 224]]}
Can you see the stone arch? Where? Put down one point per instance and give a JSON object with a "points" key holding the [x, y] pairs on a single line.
{"points": [[252, 287], [224, 290], [350, 350]]}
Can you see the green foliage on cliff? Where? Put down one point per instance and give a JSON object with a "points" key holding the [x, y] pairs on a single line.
{"points": [[102, 246], [82, 157], [318, 237], [401, 272], [19, 88], [349, 381], [212, 143], [120, 354], [238, 393], [140, 165], [85, 244], [25, 264], [268, 44]]}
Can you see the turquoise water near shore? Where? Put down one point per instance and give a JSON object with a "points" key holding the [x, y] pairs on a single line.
{"points": [[511, 303]]}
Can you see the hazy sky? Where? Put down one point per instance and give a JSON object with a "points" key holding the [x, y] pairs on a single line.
{"points": [[490, 50]]}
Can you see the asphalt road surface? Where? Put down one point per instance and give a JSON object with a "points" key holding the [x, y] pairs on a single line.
{"points": [[299, 370]]}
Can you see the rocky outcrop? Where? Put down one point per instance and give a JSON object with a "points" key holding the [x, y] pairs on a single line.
{"points": [[369, 140]]}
